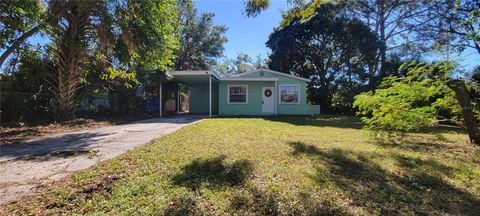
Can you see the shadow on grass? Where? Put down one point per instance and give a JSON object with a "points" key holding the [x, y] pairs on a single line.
{"points": [[318, 120], [418, 189], [415, 141], [252, 200], [214, 173], [182, 206]]}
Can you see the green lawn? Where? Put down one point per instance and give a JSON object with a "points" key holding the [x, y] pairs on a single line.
{"points": [[281, 165]]}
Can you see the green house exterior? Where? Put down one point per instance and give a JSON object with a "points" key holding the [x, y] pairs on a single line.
{"points": [[259, 92]]}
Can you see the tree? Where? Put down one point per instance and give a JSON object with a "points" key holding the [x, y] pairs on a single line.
{"points": [[24, 95], [426, 97], [148, 34], [23, 19], [70, 36], [330, 48], [393, 21], [240, 64], [96, 46], [255, 7], [453, 23], [201, 41]]}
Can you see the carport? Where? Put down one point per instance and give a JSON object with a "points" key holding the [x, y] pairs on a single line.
{"points": [[203, 90]]}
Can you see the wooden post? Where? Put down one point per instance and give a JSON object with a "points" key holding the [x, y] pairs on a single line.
{"points": [[178, 101], [160, 99]]}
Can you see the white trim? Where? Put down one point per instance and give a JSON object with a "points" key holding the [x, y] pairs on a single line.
{"points": [[247, 79], [228, 94], [280, 94], [193, 72], [274, 72], [275, 99], [263, 102]]}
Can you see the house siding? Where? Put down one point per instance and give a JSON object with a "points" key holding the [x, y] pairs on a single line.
{"points": [[254, 105], [254, 98], [199, 99]]}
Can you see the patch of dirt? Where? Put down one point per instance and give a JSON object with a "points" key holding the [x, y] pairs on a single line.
{"points": [[103, 185], [21, 132]]}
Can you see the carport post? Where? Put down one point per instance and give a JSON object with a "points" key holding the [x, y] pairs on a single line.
{"points": [[160, 97], [210, 96], [178, 100]]}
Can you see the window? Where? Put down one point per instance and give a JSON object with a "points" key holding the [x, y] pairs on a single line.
{"points": [[289, 94], [237, 94]]}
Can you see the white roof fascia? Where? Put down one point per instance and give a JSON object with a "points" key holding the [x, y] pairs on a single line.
{"points": [[195, 72], [274, 72], [248, 79]]}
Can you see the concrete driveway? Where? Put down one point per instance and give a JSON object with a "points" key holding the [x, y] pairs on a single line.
{"points": [[25, 166]]}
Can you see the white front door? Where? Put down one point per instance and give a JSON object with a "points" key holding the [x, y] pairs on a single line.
{"points": [[268, 101]]}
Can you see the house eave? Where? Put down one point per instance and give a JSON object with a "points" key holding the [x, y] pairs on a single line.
{"points": [[247, 79], [194, 72], [274, 72]]}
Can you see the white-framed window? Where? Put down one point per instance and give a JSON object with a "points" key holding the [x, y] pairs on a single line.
{"points": [[289, 94], [238, 94]]}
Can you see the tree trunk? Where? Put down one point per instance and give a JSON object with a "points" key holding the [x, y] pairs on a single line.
{"points": [[461, 93], [70, 50], [58, 9], [18, 42], [383, 40]]}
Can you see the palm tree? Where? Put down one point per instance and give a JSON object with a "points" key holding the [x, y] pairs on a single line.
{"points": [[70, 41]]}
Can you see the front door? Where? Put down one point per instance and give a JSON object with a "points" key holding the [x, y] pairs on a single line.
{"points": [[268, 102]]}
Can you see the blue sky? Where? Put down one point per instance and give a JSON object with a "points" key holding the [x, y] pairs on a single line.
{"points": [[245, 34], [249, 34]]}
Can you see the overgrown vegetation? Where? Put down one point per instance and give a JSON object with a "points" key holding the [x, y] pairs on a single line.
{"points": [[349, 47], [425, 97], [276, 166], [332, 49], [116, 51]]}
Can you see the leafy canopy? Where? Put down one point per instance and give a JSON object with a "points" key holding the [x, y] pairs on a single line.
{"points": [[201, 42], [420, 99], [330, 48]]}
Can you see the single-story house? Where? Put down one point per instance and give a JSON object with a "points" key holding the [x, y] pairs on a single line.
{"points": [[259, 92]]}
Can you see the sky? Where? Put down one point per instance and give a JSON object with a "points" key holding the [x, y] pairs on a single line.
{"points": [[245, 34], [249, 34]]}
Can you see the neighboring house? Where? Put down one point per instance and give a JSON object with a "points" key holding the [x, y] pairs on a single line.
{"points": [[259, 92]]}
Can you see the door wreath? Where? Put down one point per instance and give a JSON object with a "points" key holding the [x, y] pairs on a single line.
{"points": [[268, 93]]}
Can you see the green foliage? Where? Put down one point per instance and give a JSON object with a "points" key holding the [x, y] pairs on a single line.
{"points": [[474, 90], [17, 17], [254, 7], [453, 23], [420, 99], [128, 79], [201, 40], [24, 95], [149, 33], [241, 64], [330, 48], [121, 42], [302, 11]]}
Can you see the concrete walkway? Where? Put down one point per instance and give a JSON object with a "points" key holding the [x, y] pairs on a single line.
{"points": [[25, 166]]}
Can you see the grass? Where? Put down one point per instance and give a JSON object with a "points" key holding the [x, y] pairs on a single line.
{"points": [[272, 166]]}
